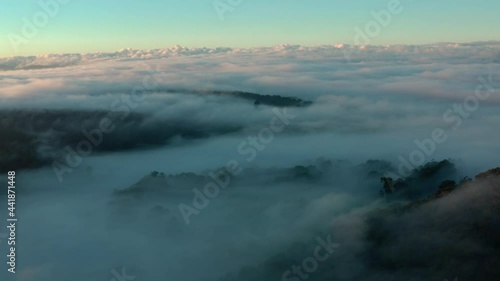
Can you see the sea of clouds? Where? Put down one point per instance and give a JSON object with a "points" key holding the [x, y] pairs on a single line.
{"points": [[367, 102]]}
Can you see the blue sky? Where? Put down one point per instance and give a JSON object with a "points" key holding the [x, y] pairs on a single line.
{"points": [[109, 25]]}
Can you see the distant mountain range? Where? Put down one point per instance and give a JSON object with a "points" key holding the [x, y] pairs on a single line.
{"points": [[488, 50]]}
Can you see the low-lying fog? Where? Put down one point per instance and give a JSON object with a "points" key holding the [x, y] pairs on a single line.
{"points": [[303, 138]]}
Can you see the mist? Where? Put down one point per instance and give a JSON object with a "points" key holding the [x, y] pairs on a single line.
{"points": [[230, 164]]}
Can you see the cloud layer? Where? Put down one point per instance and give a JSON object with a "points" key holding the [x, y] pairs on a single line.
{"points": [[186, 112]]}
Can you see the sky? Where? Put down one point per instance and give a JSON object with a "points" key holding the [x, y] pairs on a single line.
{"points": [[103, 26]]}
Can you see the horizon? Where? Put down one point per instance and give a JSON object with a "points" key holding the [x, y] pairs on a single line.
{"points": [[63, 26], [334, 45]]}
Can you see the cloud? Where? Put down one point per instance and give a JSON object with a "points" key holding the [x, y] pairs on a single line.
{"points": [[195, 108]]}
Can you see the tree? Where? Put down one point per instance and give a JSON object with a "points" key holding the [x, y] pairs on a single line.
{"points": [[388, 185]]}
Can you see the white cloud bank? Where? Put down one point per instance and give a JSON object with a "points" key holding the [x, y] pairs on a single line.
{"points": [[372, 106]]}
